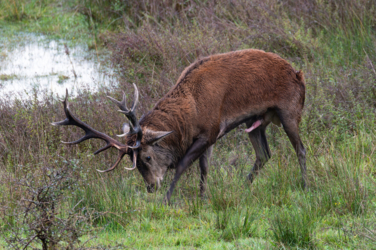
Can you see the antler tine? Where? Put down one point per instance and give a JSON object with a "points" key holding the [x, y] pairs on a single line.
{"points": [[66, 107], [130, 114], [89, 132], [92, 133], [120, 156], [121, 104], [137, 145], [134, 161], [136, 95], [117, 162], [126, 128]]}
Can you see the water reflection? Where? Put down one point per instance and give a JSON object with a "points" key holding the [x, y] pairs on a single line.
{"points": [[43, 64]]}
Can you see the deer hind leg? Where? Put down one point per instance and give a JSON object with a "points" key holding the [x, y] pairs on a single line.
{"points": [[291, 127], [260, 144], [204, 167]]}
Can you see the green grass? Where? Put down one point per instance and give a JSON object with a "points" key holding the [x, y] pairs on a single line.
{"points": [[274, 211], [5, 77], [58, 20], [333, 42]]}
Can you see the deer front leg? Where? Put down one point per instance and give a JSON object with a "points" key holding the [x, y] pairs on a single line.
{"points": [[193, 153]]}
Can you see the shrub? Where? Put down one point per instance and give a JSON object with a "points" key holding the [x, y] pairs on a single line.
{"points": [[40, 213]]}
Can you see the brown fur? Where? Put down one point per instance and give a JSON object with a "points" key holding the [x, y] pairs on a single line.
{"points": [[220, 92]]}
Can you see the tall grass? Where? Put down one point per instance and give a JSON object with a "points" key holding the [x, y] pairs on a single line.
{"points": [[333, 42], [17, 10], [293, 227]]}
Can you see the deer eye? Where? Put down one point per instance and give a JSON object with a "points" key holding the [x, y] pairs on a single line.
{"points": [[148, 158]]}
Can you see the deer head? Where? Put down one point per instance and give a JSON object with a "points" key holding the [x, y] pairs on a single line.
{"points": [[154, 160]]}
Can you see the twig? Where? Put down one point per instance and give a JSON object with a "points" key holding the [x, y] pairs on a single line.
{"points": [[370, 62], [77, 204], [68, 53], [92, 237], [30, 241]]}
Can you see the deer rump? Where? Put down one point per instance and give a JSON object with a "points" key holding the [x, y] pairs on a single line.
{"points": [[211, 97]]}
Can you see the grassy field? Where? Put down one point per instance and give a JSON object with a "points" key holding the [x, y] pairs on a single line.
{"points": [[333, 42]]}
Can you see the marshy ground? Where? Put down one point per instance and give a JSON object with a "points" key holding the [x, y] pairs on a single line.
{"points": [[115, 43], [35, 61]]}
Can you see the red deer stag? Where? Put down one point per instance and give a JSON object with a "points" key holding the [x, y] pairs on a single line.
{"points": [[211, 97]]}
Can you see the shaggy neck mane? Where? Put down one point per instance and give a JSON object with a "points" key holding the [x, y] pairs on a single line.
{"points": [[176, 111], [172, 114]]}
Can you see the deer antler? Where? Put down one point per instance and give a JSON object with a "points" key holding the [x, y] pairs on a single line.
{"points": [[92, 133], [130, 114]]}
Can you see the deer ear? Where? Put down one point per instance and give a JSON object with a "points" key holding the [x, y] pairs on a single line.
{"points": [[152, 137], [126, 128]]}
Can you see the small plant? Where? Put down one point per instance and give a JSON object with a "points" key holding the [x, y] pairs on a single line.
{"points": [[236, 223], [5, 77], [18, 10], [62, 78], [194, 205], [368, 230], [293, 227], [39, 216], [224, 194]]}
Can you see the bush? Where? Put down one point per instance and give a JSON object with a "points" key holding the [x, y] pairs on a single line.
{"points": [[40, 214]]}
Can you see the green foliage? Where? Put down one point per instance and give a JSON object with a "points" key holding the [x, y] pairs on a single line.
{"points": [[17, 10], [235, 224], [293, 227]]}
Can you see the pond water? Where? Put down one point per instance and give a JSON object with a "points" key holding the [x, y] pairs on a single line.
{"points": [[30, 62]]}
